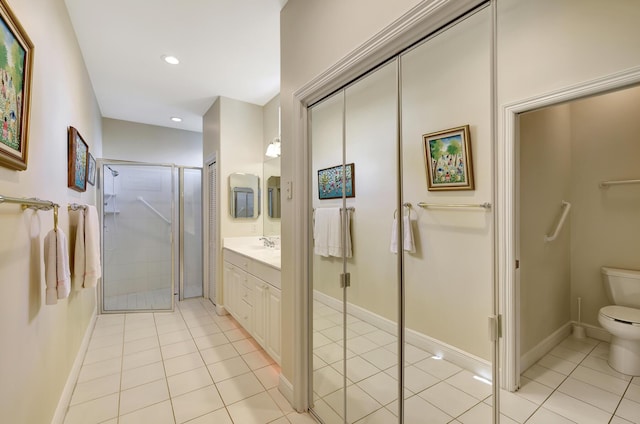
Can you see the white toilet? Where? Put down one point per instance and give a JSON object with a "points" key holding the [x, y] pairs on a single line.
{"points": [[622, 320]]}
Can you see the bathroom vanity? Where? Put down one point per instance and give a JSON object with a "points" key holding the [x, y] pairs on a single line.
{"points": [[251, 284]]}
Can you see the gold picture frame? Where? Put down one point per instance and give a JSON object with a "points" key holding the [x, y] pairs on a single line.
{"points": [[448, 159], [15, 90], [77, 161]]}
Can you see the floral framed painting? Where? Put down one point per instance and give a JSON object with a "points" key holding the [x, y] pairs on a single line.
{"points": [[330, 182], [448, 160], [77, 161], [16, 58]]}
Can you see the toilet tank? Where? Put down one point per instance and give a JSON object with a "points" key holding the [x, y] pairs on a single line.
{"points": [[622, 286]]}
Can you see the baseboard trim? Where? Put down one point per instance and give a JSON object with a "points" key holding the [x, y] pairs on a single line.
{"points": [[221, 310], [595, 332], [542, 348], [452, 354], [67, 391]]}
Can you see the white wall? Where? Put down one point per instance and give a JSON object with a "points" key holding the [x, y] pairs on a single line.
{"points": [[271, 166], [545, 181], [241, 143], [40, 342], [136, 142], [233, 133]]}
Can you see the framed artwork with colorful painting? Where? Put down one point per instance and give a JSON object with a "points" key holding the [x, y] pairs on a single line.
{"points": [[16, 58], [448, 161], [330, 182], [77, 161]]}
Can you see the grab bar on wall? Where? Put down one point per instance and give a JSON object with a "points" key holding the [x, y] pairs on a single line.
{"points": [[566, 206], [486, 205], [140, 198], [606, 184]]}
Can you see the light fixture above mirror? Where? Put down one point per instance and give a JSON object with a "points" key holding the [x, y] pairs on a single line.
{"points": [[273, 149]]}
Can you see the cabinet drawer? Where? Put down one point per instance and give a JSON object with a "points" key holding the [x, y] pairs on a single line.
{"points": [[265, 273], [236, 259]]}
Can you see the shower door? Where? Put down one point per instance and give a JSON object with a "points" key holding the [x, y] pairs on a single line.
{"points": [[137, 216], [354, 145]]}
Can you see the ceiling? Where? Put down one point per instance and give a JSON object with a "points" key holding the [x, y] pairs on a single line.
{"points": [[227, 48]]}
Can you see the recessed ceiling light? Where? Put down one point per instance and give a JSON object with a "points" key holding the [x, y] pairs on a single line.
{"points": [[176, 119], [172, 60]]}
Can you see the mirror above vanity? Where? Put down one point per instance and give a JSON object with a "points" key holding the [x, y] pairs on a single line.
{"points": [[244, 195]]}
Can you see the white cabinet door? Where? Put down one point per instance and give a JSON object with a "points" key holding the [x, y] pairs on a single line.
{"points": [[273, 329], [228, 288], [260, 293]]}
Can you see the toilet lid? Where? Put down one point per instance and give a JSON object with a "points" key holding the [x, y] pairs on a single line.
{"points": [[622, 313]]}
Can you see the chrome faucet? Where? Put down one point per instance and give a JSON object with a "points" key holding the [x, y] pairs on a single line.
{"points": [[268, 242]]}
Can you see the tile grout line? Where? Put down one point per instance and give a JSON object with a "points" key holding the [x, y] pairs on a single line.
{"points": [[166, 378]]}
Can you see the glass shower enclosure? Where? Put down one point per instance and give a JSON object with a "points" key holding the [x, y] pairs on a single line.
{"points": [[151, 215]]}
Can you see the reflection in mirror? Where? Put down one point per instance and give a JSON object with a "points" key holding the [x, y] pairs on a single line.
{"points": [[273, 196], [244, 195], [271, 168]]}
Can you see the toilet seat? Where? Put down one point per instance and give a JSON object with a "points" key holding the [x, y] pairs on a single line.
{"points": [[622, 313]]}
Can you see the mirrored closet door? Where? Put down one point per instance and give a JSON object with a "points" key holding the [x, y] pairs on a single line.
{"points": [[355, 278], [446, 129], [402, 236]]}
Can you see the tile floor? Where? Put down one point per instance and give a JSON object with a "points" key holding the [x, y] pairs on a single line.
{"points": [[572, 384], [147, 300], [189, 366]]}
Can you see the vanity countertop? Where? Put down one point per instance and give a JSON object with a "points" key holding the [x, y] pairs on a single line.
{"points": [[254, 248]]}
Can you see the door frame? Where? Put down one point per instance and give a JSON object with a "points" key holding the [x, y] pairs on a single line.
{"points": [[507, 161], [100, 164]]}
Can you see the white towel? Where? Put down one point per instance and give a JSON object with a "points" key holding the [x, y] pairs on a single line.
{"points": [[93, 269], [79, 260], [327, 233], [408, 244], [56, 266]]}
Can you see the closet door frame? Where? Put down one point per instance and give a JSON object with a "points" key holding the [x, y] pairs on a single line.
{"points": [[424, 19]]}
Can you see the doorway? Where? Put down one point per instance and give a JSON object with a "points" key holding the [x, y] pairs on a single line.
{"points": [[151, 248], [589, 122]]}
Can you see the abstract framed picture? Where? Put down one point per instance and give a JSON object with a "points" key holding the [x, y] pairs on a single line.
{"points": [[91, 170], [77, 161], [16, 58], [330, 182], [448, 159]]}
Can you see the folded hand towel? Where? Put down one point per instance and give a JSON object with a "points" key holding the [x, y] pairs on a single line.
{"points": [[322, 229], [327, 233], [50, 269], [93, 269], [408, 244], [56, 266], [79, 259]]}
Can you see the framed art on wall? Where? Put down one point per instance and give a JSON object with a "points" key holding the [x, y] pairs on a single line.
{"points": [[16, 58], [330, 182], [91, 170], [77, 161], [448, 159]]}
